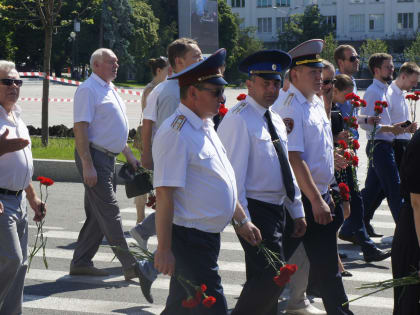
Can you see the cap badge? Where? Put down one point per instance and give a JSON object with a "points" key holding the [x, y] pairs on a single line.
{"points": [[274, 67]]}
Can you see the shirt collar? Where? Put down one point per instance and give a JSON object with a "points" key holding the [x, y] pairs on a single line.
{"points": [[100, 81], [299, 96], [192, 118], [379, 84], [260, 109], [396, 89], [16, 109]]}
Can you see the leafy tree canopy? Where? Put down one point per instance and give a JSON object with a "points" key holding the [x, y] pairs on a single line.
{"points": [[412, 53]]}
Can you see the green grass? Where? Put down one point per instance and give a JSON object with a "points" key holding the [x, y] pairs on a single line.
{"points": [[63, 149], [131, 84]]}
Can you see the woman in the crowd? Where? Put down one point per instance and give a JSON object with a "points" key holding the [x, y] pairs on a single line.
{"points": [[160, 69], [406, 244]]}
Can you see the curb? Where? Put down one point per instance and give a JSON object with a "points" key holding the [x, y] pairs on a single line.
{"points": [[62, 170]]}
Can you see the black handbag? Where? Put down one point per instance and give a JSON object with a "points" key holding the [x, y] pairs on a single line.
{"points": [[137, 182]]}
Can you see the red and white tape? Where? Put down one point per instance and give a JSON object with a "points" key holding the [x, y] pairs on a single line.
{"points": [[61, 100], [73, 82]]}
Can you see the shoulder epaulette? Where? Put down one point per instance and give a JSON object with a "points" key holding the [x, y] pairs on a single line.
{"points": [[178, 122], [239, 107], [289, 99]]}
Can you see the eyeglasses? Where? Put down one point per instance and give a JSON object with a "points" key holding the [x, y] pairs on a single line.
{"points": [[329, 81], [10, 82], [215, 92], [354, 58]]}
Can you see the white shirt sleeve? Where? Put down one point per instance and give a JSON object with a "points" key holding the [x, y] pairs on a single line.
{"points": [[150, 111], [84, 105], [370, 97], [170, 156], [233, 133]]}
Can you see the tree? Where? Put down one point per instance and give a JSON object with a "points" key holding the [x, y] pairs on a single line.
{"points": [[412, 53], [302, 27], [329, 48], [372, 46]]}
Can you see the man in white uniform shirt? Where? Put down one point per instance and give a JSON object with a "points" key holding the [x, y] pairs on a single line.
{"points": [[310, 146], [255, 139], [16, 167], [101, 132], [382, 176], [197, 198]]}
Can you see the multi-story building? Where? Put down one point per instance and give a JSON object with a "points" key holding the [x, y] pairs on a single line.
{"points": [[354, 20]]}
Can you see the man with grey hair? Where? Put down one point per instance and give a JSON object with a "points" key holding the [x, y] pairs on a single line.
{"points": [[101, 132], [15, 184]]}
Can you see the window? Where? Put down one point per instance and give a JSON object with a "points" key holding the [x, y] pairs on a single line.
{"points": [[237, 3], [376, 22], [357, 1], [357, 23], [264, 25], [264, 3], [331, 20], [281, 24], [282, 3], [405, 0], [405, 20]]}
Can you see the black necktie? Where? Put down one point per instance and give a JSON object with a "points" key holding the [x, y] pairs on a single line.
{"points": [[284, 164]]}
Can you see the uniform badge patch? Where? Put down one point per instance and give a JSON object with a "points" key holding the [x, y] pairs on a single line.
{"points": [[178, 122], [289, 122]]}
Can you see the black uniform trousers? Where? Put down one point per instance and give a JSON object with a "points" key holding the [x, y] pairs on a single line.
{"points": [[260, 294], [320, 242], [196, 253]]}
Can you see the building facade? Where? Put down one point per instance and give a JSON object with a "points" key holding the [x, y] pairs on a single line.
{"points": [[354, 20]]}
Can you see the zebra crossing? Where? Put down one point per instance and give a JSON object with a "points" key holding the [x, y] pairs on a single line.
{"points": [[54, 291]]}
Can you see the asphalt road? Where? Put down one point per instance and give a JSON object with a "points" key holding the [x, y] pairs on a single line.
{"points": [[53, 291]]}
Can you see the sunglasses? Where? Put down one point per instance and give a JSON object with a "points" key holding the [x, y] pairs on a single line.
{"points": [[329, 81], [354, 58], [215, 92], [10, 82]]}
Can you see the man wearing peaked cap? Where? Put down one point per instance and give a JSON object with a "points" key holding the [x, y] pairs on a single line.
{"points": [[196, 198], [311, 153], [255, 139]]}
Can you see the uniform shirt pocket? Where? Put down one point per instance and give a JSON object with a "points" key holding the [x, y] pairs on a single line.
{"points": [[263, 146]]}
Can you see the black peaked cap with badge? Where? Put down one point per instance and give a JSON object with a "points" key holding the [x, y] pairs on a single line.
{"points": [[206, 70], [307, 54], [267, 64]]}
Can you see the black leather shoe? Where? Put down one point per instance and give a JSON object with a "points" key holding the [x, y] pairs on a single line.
{"points": [[370, 231], [350, 239], [346, 273], [377, 255], [145, 284]]}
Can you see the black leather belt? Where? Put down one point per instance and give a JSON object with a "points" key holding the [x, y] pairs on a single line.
{"points": [[10, 192], [103, 150]]}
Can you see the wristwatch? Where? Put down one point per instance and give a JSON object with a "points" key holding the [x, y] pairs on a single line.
{"points": [[237, 224]]}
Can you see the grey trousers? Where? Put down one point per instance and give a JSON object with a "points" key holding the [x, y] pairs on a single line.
{"points": [[102, 214], [13, 253], [299, 280], [147, 228]]}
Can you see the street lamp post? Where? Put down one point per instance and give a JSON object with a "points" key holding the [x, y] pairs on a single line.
{"points": [[76, 47], [73, 62]]}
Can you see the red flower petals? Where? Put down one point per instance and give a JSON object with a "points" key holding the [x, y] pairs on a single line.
{"points": [[378, 109], [355, 160], [344, 191], [45, 180], [355, 144], [190, 302], [284, 274], [241, 97], [347, 155], [209, 301], [222, 110], [342, 144]]}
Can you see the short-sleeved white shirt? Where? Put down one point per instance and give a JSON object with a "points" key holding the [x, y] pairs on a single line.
{"points": [[188, 155], [399, 109], [310, 133], [244, 134], [376, 92], [16, 168], [97, 103]]}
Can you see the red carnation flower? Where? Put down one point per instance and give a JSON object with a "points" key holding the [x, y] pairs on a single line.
{"points": [[349, 96], [355, 160], [378, 103], [342, 144], [284, 274], [45, 180], [384, 104], [241, 97], [409, 96], [356, 144], [356, 103], [209, 301], [344, 191], [346, 119], [347, 155], [356, 97], [190, 302], [416, 98], [363, 103], [222, 110], [378, 109], [417, 93]]}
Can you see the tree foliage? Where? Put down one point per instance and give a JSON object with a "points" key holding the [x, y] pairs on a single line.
{"points": [[372, 46], [302, 27], [412, 53], [329, 48]]}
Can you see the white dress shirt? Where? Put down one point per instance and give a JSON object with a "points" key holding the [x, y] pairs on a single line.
{"points": [[281, 98], [188, 155], [244, 134], [97, 103], [310, 133], [399, 108], [16, 168], [376, 92]]}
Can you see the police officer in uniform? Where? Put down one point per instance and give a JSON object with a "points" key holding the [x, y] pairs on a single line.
{"points": [[197, 196], [255, 139], [310, 146]]}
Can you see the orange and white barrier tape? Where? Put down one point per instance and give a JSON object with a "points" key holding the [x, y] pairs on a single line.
{"points": [[61, 100], [73, 82]]}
